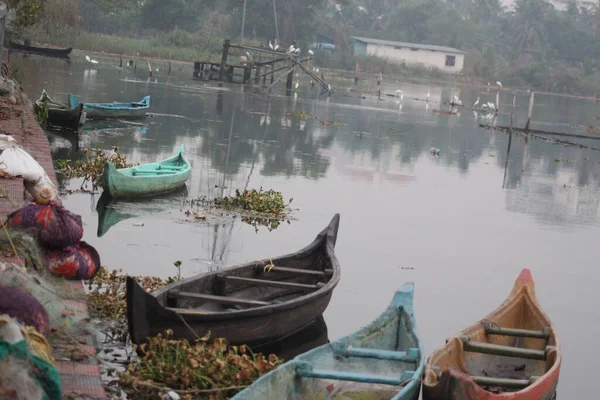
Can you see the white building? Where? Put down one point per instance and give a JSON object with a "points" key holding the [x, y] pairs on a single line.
{"points": [[445, 59], [560, 5]]}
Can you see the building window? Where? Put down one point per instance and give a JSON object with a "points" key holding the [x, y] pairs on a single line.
{"points": [[450, 61]]}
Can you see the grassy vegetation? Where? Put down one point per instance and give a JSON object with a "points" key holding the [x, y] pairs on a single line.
{"points": [[180, 45]]}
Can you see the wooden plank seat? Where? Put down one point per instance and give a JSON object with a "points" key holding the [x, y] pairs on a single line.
{"points": [[279, 284], [496, 330], [504, 382], [412, 355], [222, 299], [299, 271], [305, 370], [500, 350]]}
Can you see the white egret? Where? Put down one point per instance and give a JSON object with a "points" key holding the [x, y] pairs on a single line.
{"points": [[499, 83], [291, 49], [297, 51], [457, 101], [297, 84], [310, 52], [476, 102], [270, 45], [428, 94], [400, 93], [94, 61], [88, 58]]}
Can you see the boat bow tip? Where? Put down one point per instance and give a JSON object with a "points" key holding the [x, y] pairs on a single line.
{"points": [[404, 295], [525, 276]]}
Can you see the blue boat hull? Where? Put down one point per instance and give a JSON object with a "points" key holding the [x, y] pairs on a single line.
{"points": [[113, 110], [383, 360]]}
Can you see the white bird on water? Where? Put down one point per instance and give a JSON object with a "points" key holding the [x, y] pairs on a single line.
{"points": [[499, 83], [428, 94], [276, 45], [291, 49], [270, 45], [476, 102], [297, 51], [91, 60], [400, 93], [310, 52], [457, 101], [297, 84]]}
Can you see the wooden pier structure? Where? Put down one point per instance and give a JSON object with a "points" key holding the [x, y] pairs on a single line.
{"points": [[258, 71]]}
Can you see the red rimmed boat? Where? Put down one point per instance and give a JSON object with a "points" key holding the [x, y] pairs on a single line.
{"points": [[512, 354]]}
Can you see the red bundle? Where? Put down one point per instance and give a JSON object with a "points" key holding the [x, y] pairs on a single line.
{"points": [[56, 226], [80, 261]]}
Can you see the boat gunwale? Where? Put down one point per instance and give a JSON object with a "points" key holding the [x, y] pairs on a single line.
{"points": [[142, 105], [327, 237], [180, 153], [523, 287]]}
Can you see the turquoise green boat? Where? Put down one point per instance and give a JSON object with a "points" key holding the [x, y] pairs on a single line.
{"points": [[148, 179], [382, 361]]}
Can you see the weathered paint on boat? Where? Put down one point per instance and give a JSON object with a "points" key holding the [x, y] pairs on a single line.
{"points": [[113, 110], [61, 115], [148, 179], [458, 367], [387, 350]]}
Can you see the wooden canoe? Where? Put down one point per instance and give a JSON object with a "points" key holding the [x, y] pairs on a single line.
{"points": [[246, 304], [147, 179], [46, 51], [383, 360], [61, 115], [513, 353], [113, 110]]}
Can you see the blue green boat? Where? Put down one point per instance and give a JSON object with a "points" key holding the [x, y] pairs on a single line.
{"points": [[112, 110], [383, 360], [147, 179]]}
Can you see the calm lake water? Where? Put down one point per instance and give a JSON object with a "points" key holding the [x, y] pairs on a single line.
{"points": [[461, 225]]}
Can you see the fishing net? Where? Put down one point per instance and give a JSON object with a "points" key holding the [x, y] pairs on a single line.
{"points": [[56, 227], [25, 361], [58, 296]]}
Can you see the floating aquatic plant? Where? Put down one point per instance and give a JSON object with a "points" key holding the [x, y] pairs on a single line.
{"points": [[91, 169], [256, 207], [211, 368], [107, 299]]}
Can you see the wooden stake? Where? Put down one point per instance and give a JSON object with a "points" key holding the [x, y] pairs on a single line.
{"points": [[530, 111], [512, 112]]}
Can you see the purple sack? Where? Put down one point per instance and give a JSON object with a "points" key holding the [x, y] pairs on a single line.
{"points": [[56, 226], [79, 262], [24, 308]]}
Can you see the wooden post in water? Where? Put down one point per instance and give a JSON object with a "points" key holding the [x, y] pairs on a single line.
{"points": [[257, 76], [121, 60], [272, 73], [497, 101], [169, 69], [290, 78], [530, 111], [512, 112], [222, 71]]}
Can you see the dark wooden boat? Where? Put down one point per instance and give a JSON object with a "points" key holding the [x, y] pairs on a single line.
{"points": [[60, 115], [248, 304], [47, 51], [511, 354]]}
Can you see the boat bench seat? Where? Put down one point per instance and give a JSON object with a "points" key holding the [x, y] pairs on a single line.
{"points": [[221, 299], [298, 271], [496, 330], [412, 355], [507, 383], [305, 369], [279, 284], [500, 350]]}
